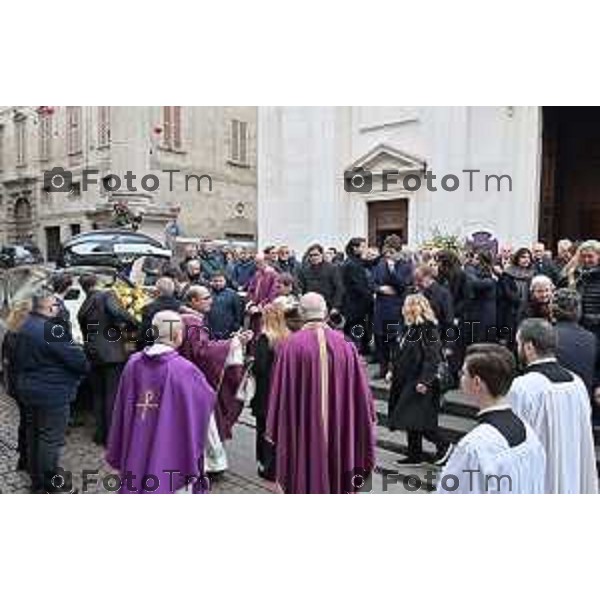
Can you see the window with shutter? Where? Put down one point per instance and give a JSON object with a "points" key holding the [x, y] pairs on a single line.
{"points": [[235, 140], [239, 142], [73, 129], [20, 133], [243, 158], [176, 127], [167, 129], [45, 125]]}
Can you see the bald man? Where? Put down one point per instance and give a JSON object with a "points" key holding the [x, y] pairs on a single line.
{"points": [[321, 417], [160, 420]]}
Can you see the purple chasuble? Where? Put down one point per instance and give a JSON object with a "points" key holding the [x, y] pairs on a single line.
{"points": [[160, 424], [210, 356], [321, 413]]}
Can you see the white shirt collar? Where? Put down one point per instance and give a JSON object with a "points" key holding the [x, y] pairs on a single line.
{"points": [[540, 361], [157, 349], [504, 405]]}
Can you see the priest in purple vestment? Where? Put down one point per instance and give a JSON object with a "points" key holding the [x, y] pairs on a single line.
{"points": [[262, 290], [321, 414], [214, 358], [160, 419]]}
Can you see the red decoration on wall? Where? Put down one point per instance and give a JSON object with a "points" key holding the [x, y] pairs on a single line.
{"points": [[158, 130]]}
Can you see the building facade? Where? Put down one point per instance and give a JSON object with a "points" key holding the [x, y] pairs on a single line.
{"points": [[523, 173], [200, 161]]}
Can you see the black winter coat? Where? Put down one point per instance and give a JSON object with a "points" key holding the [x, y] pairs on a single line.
{"points": [[415, 360], [358, 289]]}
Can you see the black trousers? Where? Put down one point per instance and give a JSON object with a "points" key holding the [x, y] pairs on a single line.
{"points": [[415, 442], [360, 331], [104, 382], [265, 451], [22, 436], [45, 434]]}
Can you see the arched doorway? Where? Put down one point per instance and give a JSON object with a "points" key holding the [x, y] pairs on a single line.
{"points": [[23, 221]]}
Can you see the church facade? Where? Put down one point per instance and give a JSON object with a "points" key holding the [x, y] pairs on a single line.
{"points": [[517, 173]]}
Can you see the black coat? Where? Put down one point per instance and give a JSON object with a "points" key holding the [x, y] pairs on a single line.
{"points": [[414, 361], [358, 289], [508, 302], [323, 279], [99, 312], [458, 286], [577, 351], [440, 300], [482, 308]]}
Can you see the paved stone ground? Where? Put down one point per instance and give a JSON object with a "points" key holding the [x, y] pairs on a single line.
{"points": [[81, 454]]}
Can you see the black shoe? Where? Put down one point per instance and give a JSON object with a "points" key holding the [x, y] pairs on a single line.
{"points": [[264, 474]]}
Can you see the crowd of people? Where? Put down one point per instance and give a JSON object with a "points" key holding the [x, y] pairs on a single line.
{"points": [[291, 336]]}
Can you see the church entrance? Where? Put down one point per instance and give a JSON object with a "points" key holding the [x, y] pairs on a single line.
{"points": [[570, 184], [387, 217]]}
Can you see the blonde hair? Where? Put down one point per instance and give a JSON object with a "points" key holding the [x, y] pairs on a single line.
{"points": [[274, 324], [417, 310], [18, 314]]}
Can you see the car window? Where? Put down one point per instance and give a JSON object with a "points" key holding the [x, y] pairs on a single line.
{"points": [[92, 247], [136, 239]]}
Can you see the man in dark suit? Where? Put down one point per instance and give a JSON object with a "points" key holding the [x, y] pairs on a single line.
{"points": [[577, 347]]}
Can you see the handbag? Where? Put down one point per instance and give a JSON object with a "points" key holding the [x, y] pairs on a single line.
{"points": [[444, 376], [247, 389]]}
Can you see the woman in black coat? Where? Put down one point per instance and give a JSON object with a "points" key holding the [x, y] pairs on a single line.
{"points": [[482, 303], [414, 394], [274, 331]]}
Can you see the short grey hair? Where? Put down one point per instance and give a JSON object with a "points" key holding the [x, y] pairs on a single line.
{"points": [[166, 324], [196, 291], [540, 334], [539, 281], [313, 307], [165, 286]]}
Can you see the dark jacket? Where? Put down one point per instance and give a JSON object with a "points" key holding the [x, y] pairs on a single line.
{"points": [[243, 271], [508, 302], [588, 285], [482, 308], [358, 289], [9, 365], [323, 279], [577, 351], [290, 266], [415, 360], [161, 303], [225, 315], [48, 373], [441, 303], [388, 309], [99, 312], [261, 367], [548, 268], [458, 286], [211, 263]]}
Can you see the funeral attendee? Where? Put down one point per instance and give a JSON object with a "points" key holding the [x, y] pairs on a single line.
{"points": [[49, 370], [542, 264], [243, 270], [321, 416], [190, 252], [211, 261], [437, 295], [322, 278], [286, 262], [161, 417], [392, 279], [274, 331], [262, 290], [540, 298], [555, 402], [521, 272], [271, 256], [508, 305], [452, 276], [414, 399], [564, 252], [222, 364], [229, 258], [587, 283], [61, 283], [193, 272], [284, 288], [576, 348], [17, 316], [357, 305], [482, 305], [226, 314], [105, 326], [502, 454], [165, 300]]}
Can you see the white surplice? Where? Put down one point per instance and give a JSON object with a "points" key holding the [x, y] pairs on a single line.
{"points": [[484, 463], [560, 414]]}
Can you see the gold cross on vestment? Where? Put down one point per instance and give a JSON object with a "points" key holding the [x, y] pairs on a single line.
{"points": [[147, 403]]}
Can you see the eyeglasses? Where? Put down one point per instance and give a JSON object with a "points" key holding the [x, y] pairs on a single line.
{"points": [[314, 255]]}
